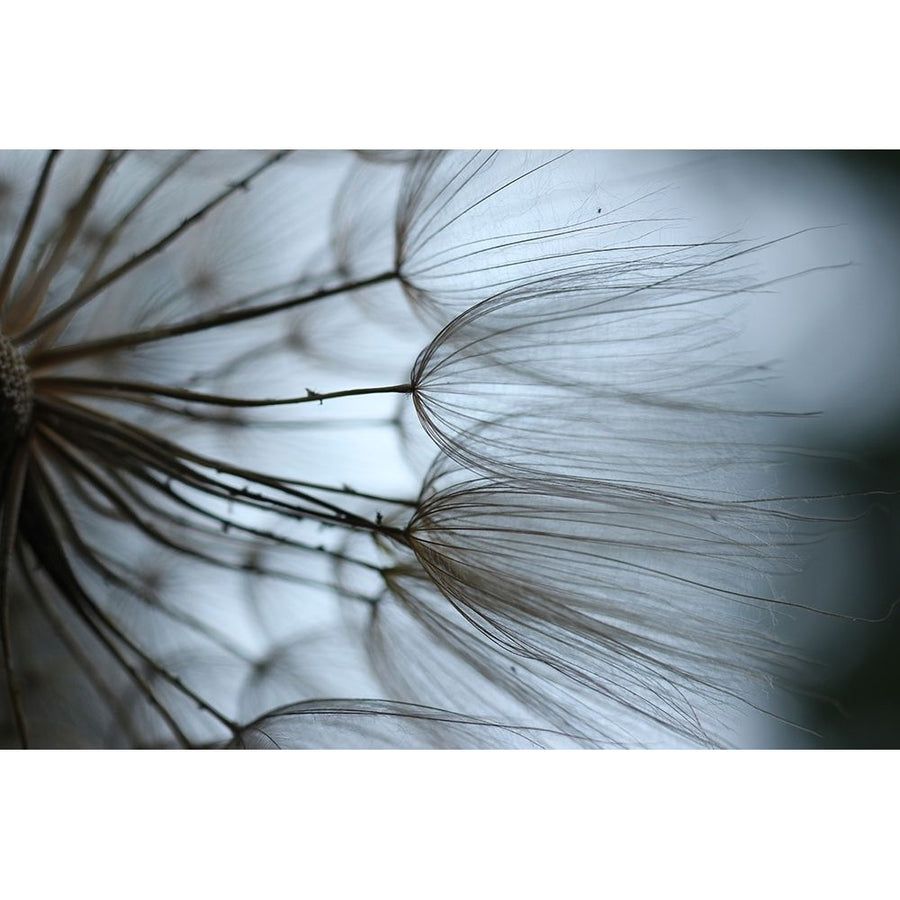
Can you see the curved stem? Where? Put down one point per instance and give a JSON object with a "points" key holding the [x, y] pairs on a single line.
{"points": [[90, 291], [12, 502], [197, 324], [102, 387], [25, 229]]}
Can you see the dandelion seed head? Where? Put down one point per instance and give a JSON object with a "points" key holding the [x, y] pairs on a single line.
{"points": [[202, 522]]}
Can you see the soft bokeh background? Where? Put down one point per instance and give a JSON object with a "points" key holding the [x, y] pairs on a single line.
{"points": [[833, 337]]}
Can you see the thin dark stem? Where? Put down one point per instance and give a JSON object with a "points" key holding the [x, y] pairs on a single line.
{"points": [[32, 293], [198, 323], [47, 549], [49, 335], [12, 501], [124, 638], [91, 290], [25, 229], [104, 433], [108, 241], [102, 387], [77, 653], [88, 554]]}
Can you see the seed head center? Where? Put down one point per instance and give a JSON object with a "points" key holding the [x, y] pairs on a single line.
{"points": [[16, 394]]}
